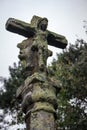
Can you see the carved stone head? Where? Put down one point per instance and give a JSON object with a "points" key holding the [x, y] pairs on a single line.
{"points": [[42, 24]]}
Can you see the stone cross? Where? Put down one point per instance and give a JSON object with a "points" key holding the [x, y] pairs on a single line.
{"points": [[29, 30], [39, 91]]}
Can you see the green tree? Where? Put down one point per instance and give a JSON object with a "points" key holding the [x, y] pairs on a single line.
{"points": [[8, 101], [70, 69]]}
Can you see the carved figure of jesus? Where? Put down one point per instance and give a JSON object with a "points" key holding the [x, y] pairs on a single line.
{"points": [[40, 43]]}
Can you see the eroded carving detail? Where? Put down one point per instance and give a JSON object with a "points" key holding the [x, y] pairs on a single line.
{"points": [[39, 92]]}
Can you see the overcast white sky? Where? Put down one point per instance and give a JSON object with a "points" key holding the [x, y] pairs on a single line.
{"points": [[65, 17]]}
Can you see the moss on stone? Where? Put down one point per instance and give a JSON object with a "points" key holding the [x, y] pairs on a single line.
{"points": [[43, 106]]}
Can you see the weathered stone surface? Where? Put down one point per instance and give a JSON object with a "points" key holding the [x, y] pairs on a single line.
{"points": [[37, 88], [41, 120], [29, 30], [28, 58], [38, 92], [20, 27]]}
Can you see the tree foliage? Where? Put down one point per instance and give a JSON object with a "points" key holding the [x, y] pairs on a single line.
{"points": [[70, 69], [8, 101], [10, 85]]}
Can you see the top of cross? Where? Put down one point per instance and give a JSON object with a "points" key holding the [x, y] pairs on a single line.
{"points": [[29, 30]]}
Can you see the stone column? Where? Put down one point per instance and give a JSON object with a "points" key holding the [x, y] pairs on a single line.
{"points": [[39, 102], [39, 92]]}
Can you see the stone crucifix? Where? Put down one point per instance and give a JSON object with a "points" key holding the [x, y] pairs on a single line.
{"points": [[39, 91]]}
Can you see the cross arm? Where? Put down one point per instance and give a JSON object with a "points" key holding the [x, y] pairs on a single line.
{"points": [[56, 40], [20, 27]]}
